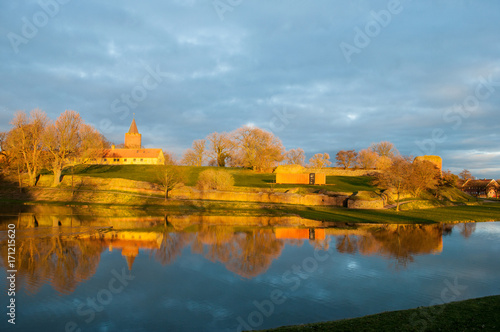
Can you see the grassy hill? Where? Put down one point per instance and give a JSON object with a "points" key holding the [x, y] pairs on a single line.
{"points": [[480, 314], [242, 177]]}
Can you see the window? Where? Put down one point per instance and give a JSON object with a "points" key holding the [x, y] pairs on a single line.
{"points": [[141, 159], [125, 159]]}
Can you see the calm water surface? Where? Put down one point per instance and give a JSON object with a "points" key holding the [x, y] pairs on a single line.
{"points": [[205, 273]]}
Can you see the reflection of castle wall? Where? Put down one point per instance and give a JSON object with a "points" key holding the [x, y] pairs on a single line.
{"points": [[343, 231], [29, 220], [182, 222], [300, 233]]}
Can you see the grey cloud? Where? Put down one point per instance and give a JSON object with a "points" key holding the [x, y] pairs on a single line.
{"points": [[264, 57]]}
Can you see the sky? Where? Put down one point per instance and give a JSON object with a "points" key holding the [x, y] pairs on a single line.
{"points": [[323, 76]]}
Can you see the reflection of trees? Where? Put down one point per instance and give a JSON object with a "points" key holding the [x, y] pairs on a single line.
{"points": [[447, 229], [347, 244], [248, 253], [62, 261], [295, 242], [466, 229], [171, 246], [402, 242], [323, 244]]}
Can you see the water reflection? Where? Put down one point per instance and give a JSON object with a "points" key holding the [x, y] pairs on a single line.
{"points": [[64, 251], [400, 242], [53, 256]]}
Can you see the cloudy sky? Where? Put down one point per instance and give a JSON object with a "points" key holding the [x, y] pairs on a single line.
{"points": [[322, 75]]}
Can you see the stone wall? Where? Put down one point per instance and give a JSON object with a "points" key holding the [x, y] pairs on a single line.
{"points": [[343, 172], [364, 204], [366, 200], [138, 187], [436, 160], [285, 198], [88, 182]]}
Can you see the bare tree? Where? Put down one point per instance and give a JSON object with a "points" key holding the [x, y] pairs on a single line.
{"points": [[189, 158], [385, 149], [24, 141], [383, 163], [449, 178], [320, 160], [170, 158], [396, 177], [466, 175], [92, 144], [62, 141], [4, 162], [424, 175], [169, 176], [220, 147], [257, 148], [346, 159], [196, 155], [295, 157], [367, 159], [3, 143]]}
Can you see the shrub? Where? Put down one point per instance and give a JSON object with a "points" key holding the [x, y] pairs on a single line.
{"points": [[215, 180]]}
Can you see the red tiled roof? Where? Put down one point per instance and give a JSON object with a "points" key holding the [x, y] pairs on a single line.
{"points": [[132, 153]]}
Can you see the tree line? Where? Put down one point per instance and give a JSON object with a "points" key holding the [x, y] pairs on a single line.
{"points": [[261, 150], [250, 147], [36, 142]]}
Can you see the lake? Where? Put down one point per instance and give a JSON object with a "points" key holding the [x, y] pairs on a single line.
{"points": [[216, 273]]}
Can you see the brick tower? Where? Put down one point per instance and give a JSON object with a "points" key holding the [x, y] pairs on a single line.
{"points": [[133, 138]]}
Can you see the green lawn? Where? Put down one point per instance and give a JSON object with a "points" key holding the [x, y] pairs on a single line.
{"points": [[481, 314], [242, 177], [129, 172]]}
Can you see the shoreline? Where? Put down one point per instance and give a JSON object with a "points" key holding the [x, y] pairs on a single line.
{"points": [[486, 211]]}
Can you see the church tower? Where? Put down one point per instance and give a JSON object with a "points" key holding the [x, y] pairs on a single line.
{"points": [[133, 138]]}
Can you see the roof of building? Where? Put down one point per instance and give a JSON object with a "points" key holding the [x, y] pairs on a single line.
{"points": [[133, 128], [480, 183], [132, 153]]}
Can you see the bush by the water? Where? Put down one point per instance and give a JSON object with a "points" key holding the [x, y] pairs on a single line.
{"points": [[215, 180]]}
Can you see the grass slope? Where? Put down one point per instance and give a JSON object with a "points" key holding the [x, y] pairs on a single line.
{"points": [[242, 177], [481, 314]]}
